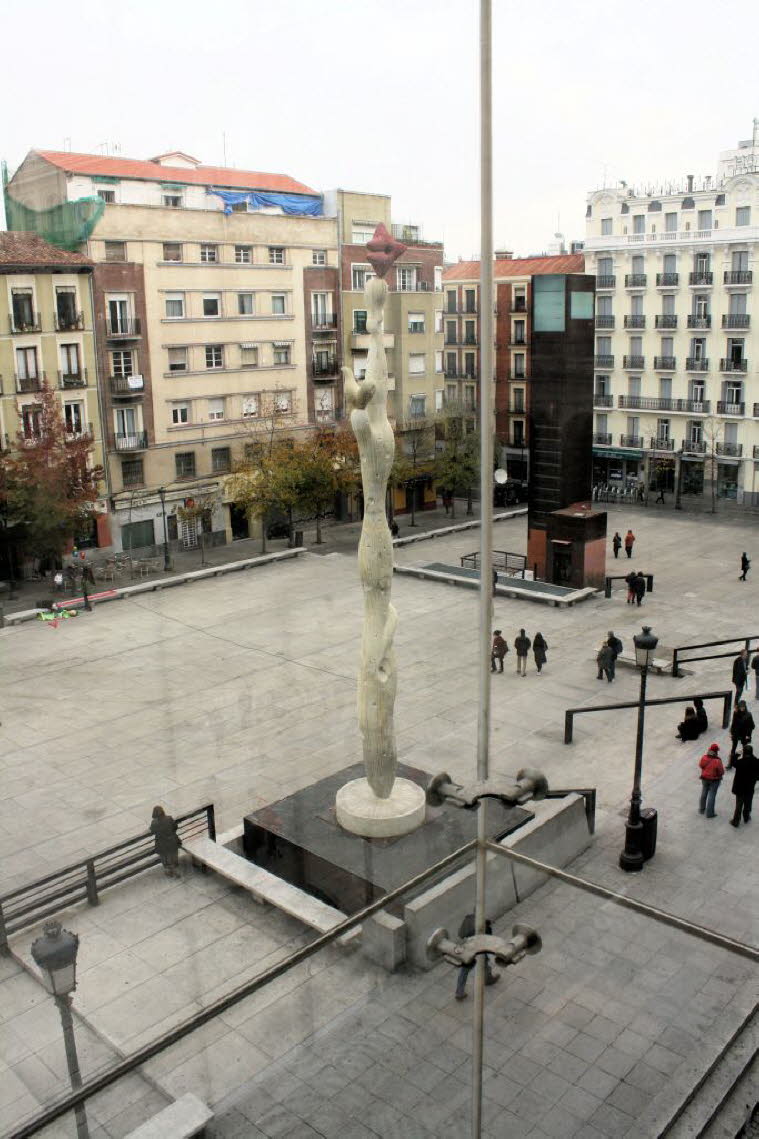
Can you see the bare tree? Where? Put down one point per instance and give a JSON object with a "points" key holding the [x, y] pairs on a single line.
{"points": [[414, 455], [713, 432]]}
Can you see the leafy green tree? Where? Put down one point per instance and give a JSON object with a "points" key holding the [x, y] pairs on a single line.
{"points": [[414, 455], [457, 464]]}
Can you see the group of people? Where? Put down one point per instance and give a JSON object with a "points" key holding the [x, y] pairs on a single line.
{"points": [[636, 587], [606, 658], [522, 645], [712, 769], [617, 542]]}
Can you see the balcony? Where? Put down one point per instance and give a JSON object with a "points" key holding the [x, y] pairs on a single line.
{"points": [[127, 385], [667, 280], [700, 278], [522, 343], [635, 321], [699, 321], [736, 320], [733, 365], [69, 321], [602, 439], [73, 379], [633, 362], [696, 364], [123, 329], [635, 280], [81, 433], [136, 441], [730, 450], [603, 361], [661, 444], [602, 400], [470, 340], [664, 363], [30, 383], [24, 322], [324, 371], [692, 447], [733, 409], [738, 277], [519, 377], [608, 281], [323, 321], [604, 321], [666, 320], [662, 403], [517, 408], [519, 306], [631, 440]]}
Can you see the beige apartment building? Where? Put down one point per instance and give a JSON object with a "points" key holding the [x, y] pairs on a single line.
{"points": [[677, 349], [216, 311]]}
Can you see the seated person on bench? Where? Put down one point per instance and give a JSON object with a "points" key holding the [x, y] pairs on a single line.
{"points": [[689, 728]]}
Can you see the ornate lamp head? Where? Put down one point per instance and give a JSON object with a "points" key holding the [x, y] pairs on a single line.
{"points": [[384, 250]]}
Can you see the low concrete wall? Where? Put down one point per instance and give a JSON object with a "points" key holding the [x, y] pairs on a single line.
{"points": [[557, 834], [502, 589], [443, 531]]}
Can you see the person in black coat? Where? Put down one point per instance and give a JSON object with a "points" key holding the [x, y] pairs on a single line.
{"points": [[702, 718], [745, 565], [744, 782], [167, 842], [740, 673], [741, 729], [688, 728], [639, 587], [539, 647], [522, 645]]}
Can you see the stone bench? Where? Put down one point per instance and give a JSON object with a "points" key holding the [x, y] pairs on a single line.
{"points": [[182, 1119]]}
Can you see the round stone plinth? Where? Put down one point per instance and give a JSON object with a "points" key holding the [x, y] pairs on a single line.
{"points": [[360, 811]]}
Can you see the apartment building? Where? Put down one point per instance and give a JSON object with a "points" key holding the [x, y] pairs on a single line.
{"points": [[461, 319], [676, 354], [216, 309], [413, 316], [46, 336]]}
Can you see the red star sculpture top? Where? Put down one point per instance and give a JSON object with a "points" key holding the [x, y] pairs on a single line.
{"points": [[384, 250]]}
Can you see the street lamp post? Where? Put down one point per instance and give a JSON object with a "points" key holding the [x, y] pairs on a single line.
{"points": [[166, 562], [55, 955], [631, 857]]}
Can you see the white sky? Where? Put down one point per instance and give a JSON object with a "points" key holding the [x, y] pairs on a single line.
{"points": [[382, 95]]}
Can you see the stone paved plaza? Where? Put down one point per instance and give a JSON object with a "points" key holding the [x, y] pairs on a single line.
{"points": [[240, 690]]}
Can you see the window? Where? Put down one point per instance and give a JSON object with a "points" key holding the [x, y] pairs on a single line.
{"points": [[115, 251], [519, 372], [107, 196], [417, 364], [73, 414], [360, 274], [439, 399], [23, 310], [670, 224], [216, 408], [437, 274], [438, 320], [470, 334], [606, 224], [214, 355], [602, 385], [695, 431], [185, 464], [278, 304], [31, 421], [26, 363], [240, 207], [221, 459], [172, 201], [70, 361], [469, 365], [667, 348], [406, 278], [603, 346], [638, 264], [212, 304], [743, 215], [174, 306], [321, 309], [639, 223], [249, 355], [603, 308], [319, 257], [122, 363], [172, 251], [281, 354], [704, 219], [245, 304], [605, 269], [283, 402], [701, 306], [359, 320], [451, 364], [602, 422], [243, 254], [416, 322], [669, 263], [740, 261], [65, 309], [250, 406], [438, 361], [416, 406], [636, 345], [180, 413], [636, 305], [470, 300], [177, 359], [737, 304], [451, 335], [276, 255], [450, 300], [361, 234], [132, 475], [668, 304], [209, 254]]}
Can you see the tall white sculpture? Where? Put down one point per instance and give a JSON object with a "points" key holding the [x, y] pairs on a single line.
{"points": [[379, 805]]}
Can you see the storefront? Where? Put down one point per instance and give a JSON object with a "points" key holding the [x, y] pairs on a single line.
{"points": [[661, 472], [692, 475], [727, 479], [618, 467]]}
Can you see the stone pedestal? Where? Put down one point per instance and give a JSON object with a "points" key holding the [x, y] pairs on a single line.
{"points": [[361, 812]]}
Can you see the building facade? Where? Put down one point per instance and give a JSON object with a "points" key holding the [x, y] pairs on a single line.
{"points": [[216, 315], [46, 337], [676, 355]]}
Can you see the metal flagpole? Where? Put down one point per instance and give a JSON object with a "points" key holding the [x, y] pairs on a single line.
{"points": [[486, 526]]}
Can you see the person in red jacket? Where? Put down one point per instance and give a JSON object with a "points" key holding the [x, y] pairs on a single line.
{"points": [[629, 543], [712, 770]]}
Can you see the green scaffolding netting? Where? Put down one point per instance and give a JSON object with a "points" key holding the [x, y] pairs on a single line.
{"points": [[67, 225]]}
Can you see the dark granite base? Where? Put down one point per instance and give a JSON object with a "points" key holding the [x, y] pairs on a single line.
{"points": [[299, 839]]}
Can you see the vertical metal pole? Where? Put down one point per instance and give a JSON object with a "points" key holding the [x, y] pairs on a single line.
{"points": [[166, 562], [487, 427], [72, 1060]]}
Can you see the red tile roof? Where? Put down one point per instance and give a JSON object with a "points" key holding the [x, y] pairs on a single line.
{"points": [[519, 267], [31, 249], [221, 176]]}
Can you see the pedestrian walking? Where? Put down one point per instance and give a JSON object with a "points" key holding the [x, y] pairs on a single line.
{"points": [[629, 543], [740, 673], [711, 777], [688, 729], [539, 648], [605, 662], [703, 721], [615, 645], [744, 782], [639, 588], [466, 929], [745, 566], [87, 578], [167, 842], [755, 667], [630, 579], [741, 729], [522, 645], [495, 577], [498, 651], [394, 530], [616, 543]]}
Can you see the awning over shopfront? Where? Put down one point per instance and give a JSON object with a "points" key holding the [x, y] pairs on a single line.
{"points": [[615, 453]]}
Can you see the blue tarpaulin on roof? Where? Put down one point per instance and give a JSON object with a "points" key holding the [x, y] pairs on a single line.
{"points": [[303, 204]]}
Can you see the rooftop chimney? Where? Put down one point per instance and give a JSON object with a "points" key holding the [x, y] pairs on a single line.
{"points": [[504, 254], [690, 183]]}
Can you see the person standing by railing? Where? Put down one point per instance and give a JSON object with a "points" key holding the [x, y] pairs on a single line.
{"points": [[167, 841]]}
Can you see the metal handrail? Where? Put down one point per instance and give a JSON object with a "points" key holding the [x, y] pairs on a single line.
{"points": [[725, 696], [677, 659], [20, 907]]}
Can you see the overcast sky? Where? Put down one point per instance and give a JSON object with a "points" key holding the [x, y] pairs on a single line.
{"points": [[382, 95]]}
